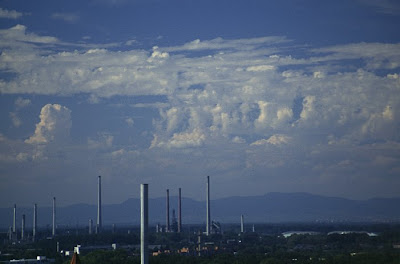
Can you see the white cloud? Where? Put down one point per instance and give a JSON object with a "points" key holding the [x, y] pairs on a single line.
{"points": [[263, 117], [158, 55], [11, 14], [220, 44], [181, 140], [54, 126], [16, 36], [173, 118], [230, 93], [260, 68], [279, 139], [273, 140], [318, 75], [285, 114], [308, 107], [388, 113]]}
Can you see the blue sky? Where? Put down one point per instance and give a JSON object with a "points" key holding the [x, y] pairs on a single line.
{"points": [[263, 96]]}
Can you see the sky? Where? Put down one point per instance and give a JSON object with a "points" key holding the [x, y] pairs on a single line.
{"points": [[262, 96]]}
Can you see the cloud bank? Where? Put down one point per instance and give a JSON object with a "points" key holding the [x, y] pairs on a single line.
{"points": [[248, 110]]}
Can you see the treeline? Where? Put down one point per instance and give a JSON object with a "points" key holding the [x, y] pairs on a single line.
{"points": [[121, 257]]}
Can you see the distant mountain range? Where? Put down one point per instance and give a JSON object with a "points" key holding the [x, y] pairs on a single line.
{"points": [[272, 207]]}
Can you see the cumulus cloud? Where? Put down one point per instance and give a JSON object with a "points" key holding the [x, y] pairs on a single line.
{"points": [[230, 93], [54, 126], [273, 140], [308, 107], [190, 139], [263, 117]]}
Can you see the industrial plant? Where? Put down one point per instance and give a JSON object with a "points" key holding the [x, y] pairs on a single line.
{"points": [[174, 226], [171, 238]]}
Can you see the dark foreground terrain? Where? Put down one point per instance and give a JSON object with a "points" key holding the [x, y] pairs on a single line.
{"points": [[265, 244]]}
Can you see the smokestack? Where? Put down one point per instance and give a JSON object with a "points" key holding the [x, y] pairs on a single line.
{"points": [[208, 227], [144, 223], [90, 226], [167, 213], [99, 221], [241, 224], [34, 226], [54, 216], [15, 219], [179, 211], [23, 227]]}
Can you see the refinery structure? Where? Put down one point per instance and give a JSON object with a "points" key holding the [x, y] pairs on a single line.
{"points": [[203, 239], [172, 224]]}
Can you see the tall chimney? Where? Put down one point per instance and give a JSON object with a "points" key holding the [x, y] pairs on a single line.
{"points": [[15, 219], [99, 220], [23, 227], [34, 226], [90, 226], [54, 217], [208, 227], [241, 224], [179, 211], [144, 223], [167, 213]]}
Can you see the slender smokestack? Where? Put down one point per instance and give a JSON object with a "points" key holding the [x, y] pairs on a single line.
{"points": [[241, 224], [167, 213], [54, 216], [99, 221], [144, 223], [34, 226], [90, 226], [208, 227], [15, 219], [23, 227], [179, 211]]}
